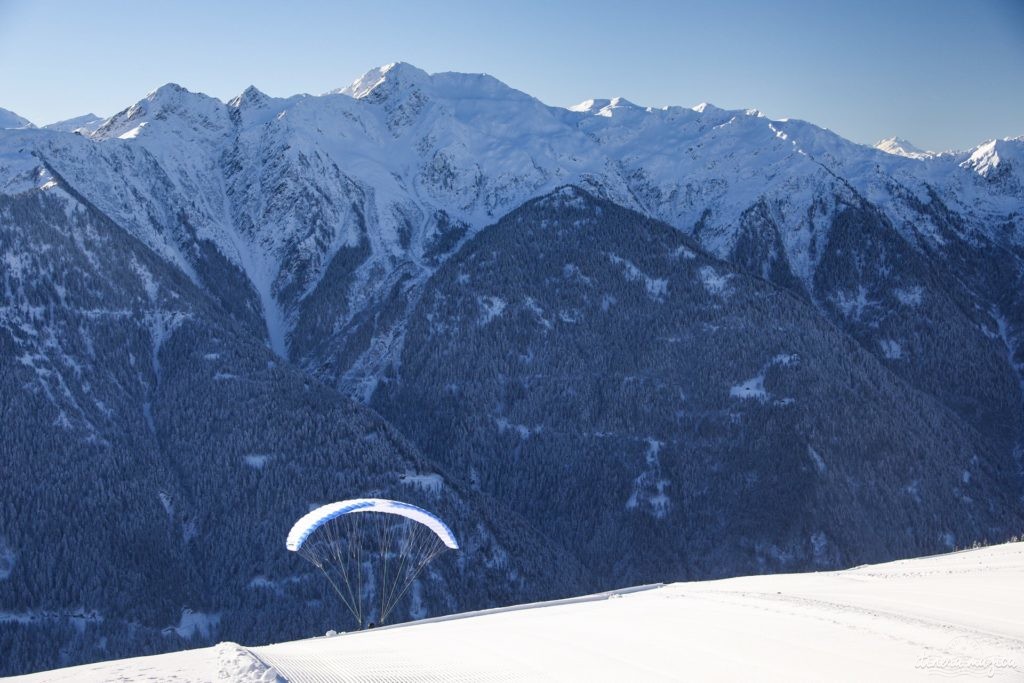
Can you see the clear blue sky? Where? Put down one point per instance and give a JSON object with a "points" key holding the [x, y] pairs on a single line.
{"points": [[941, 73]]}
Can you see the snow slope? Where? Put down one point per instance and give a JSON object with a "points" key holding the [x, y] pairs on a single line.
{"points": [[8, 119], [947, 615], [84, 124], [224, 662]]}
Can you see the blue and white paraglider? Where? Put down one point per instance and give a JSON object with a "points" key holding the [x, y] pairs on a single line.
{"points": [[371, 550]]}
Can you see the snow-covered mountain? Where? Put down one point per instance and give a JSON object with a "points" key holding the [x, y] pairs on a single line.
{"points": [[84, 124], [1001, 163], [387, 170], [902, 147], [679, 342], [10, 120]]}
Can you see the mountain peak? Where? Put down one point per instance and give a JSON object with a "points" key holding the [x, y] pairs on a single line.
{"points": [[604, 107], [8, 119], [706, 108], [394, 74], [251, 96], [903, 148], [84, 124], [996, 158], [165, 91], [169, 101], [592, 105], [171, 96]]}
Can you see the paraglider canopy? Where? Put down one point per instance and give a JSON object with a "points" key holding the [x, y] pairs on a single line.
{"points": [[386, 542], [311, 521]]}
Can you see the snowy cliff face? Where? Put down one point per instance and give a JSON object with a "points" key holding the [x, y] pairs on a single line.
{"points": [[514, 286]]}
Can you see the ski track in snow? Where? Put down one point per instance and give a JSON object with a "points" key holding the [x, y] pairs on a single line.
{"points": [[949, 615]]}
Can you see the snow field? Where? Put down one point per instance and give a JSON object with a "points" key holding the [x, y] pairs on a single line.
{"points": [[955, 615]]}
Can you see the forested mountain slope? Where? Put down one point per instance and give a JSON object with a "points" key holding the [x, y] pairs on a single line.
{"points": [[595, 370], [155, 453]]}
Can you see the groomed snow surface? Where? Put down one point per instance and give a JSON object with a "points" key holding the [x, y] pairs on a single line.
{"points": [[959, 615]]}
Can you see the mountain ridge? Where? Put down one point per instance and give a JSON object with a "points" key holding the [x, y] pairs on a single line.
{"points": [[11, 121], [634, 183]]}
